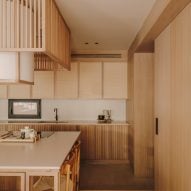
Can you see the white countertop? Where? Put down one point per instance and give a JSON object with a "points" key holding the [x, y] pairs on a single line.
{"points": [[47, 154], [49, 122]]}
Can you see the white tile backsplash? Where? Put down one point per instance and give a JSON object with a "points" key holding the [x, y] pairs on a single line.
{"points": [[75, 109]]}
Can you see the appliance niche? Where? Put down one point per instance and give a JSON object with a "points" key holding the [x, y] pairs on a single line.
{"points": [[24, 108]]}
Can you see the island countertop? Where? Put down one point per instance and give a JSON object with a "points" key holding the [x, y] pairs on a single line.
{"points": [[46, 154]]}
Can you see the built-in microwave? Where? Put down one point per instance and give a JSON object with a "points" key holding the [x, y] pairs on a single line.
{"points": [[24, 108]]}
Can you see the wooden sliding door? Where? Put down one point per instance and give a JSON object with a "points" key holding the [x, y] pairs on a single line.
{"points": [[162, 111], [173, 105]]}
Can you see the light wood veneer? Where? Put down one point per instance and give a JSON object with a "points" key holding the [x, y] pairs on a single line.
{"points": [[143, 114], [99, 141]]}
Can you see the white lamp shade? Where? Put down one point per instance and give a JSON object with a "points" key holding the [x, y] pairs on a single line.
{"points": [[8, 66], [16, 67]]}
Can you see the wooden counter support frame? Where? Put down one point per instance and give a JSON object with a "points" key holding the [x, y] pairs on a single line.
{"points": [[35, 26]]}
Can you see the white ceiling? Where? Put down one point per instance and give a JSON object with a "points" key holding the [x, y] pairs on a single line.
{"points": [[112, 23]]}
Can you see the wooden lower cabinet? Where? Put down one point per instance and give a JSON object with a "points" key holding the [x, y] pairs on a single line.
{"points": [[12, 181], [98, 142], [104, 142]]}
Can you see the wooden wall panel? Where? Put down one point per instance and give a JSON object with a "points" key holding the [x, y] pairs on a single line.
{"points": [[130, 109], [163, 110], [173, 104], [143, 114], [181, 102], [19, 91], [3, 92]]}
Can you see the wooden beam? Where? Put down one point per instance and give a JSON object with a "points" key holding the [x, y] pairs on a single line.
{"points": [[162, 13]]}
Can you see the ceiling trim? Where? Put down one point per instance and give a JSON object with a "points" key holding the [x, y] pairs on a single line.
{"points": [[162, 14]]}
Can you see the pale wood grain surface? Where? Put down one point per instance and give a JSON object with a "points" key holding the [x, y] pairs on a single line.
{"points": [[66, 83], [19, 91], [90, 80], [143, 114], [43, 85], [3, 91], [163, 109], [115, 80]]}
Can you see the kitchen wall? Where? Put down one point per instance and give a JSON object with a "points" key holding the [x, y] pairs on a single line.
{"points": [[75, 109]]}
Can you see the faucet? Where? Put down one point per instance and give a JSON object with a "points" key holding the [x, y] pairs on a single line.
{"points": [[56, 113]]}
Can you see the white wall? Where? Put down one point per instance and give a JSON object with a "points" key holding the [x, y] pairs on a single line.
{"points": [[75, 109]]}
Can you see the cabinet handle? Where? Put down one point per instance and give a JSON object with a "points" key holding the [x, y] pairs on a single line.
{"points": [[157, 126]]}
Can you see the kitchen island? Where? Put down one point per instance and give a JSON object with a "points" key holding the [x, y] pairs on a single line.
{"points": [[26, 163], [100, 141]]}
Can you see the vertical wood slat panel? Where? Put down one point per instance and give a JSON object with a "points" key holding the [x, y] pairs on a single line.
{"points": [[18, 25], [97, 140], [4, 23], [43, 22], [30, 24], [39, 23], [12, 43], [1, 22], [22, 23], [35, 24], [8, 15], [26, 24]]}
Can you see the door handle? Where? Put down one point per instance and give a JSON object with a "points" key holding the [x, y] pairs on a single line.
{"points": [[156, 126]]}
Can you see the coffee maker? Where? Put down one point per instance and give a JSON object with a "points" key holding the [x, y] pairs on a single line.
{"points": [[107, 114]]}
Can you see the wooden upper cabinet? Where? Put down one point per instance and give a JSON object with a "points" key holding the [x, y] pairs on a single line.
{"points": [[19, 91], [66, 83], [43, 85], [90, 80], [115, 80], [36, 26], [3, 91]]}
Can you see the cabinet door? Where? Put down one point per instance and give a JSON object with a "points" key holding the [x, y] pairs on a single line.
{"points": [[115, 80], [12, 181], [19, 91], [66, 83], [90, 80], [43, 85], [163, 110], [3, 91]]}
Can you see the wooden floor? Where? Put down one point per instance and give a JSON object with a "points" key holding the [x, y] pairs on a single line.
{"points": [[111, 177]]}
